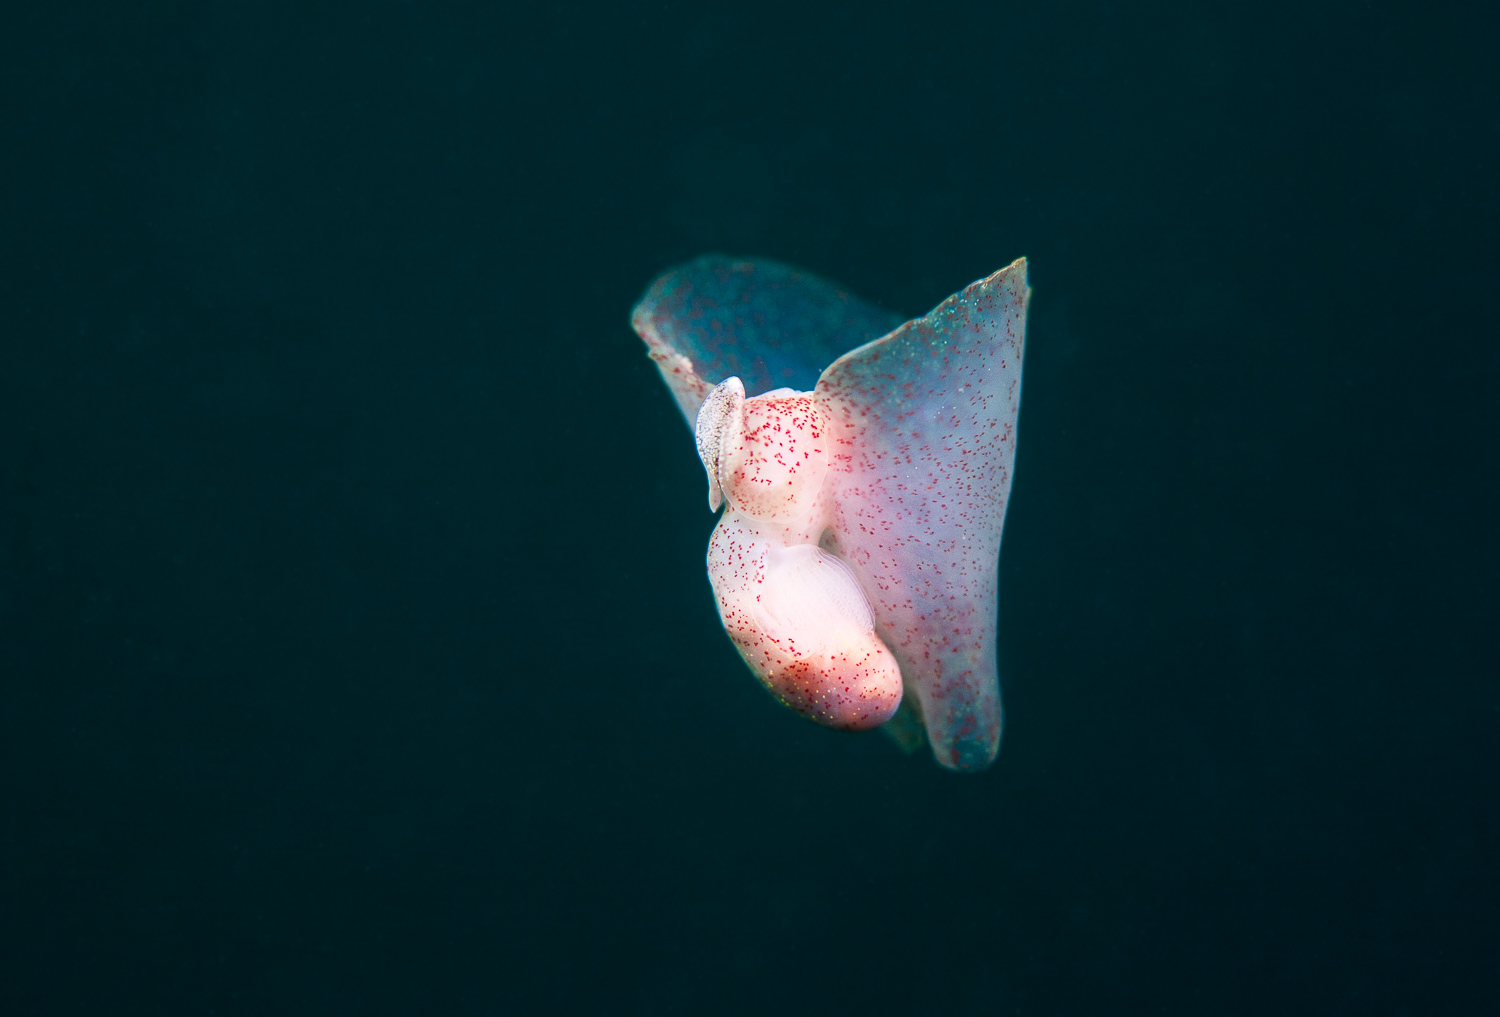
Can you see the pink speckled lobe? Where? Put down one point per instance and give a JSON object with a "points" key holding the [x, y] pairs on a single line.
{"points": [[923, 425], [799, 620]]}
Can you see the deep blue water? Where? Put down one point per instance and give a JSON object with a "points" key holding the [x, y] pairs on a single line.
{"points": [[356, 652]]}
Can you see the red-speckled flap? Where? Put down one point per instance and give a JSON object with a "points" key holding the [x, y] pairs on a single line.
{"points": [[924, 429]]}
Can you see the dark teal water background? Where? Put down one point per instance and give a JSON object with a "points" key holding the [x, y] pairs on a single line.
{"points": [[356, 652]]}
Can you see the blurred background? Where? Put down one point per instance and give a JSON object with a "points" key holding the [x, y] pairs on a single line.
{"points": [[356, 651]]}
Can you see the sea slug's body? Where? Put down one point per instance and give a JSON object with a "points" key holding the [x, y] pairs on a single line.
{"points": [[794, 611], [857, 563]]}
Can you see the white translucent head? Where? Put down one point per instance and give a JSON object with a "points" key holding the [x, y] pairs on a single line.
{"points": [[767, 455]]}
